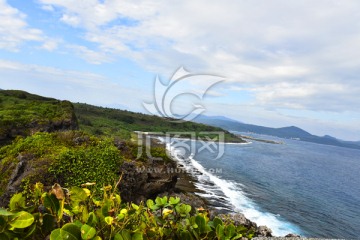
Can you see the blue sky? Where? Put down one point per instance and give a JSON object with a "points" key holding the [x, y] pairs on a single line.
{"points": [[284, 62]]}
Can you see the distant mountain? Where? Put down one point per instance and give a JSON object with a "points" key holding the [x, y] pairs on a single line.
{"points": [[211, 118], [291, 132]]}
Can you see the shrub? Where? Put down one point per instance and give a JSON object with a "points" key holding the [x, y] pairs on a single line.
{"points": [[97, 163], [78, 214]]}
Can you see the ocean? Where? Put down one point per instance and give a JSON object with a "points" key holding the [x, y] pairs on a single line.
{"points": [[296, 187]]}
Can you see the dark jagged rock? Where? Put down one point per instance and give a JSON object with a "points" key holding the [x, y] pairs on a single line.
{"points": [[292, 235], [140, 182], [239, 219], [263, 231], [24, 168]]}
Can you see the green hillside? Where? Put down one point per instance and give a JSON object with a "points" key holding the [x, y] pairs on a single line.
{"points": [[122, 123], [22, 113], [39, 141], [47, 143]]}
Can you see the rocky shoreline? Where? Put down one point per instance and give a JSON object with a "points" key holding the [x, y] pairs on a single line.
{"points": [[158, 178], [186, 189]]}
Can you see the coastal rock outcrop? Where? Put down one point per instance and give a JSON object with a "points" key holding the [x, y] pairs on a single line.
{"points": [[263, 231], [142, 181], [27, 165], [240, 219]]}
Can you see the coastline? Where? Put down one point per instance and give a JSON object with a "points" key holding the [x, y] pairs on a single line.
{"points": [[186, 185]]}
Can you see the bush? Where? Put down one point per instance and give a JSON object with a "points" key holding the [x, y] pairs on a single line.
{"points": [[97, 163], [69, 157], [78, 214]]}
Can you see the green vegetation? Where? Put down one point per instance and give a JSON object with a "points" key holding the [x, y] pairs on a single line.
{"points": [[122, 123], [19, 108], [22, 113], [78, 214], [46, 148], [69, 158]]}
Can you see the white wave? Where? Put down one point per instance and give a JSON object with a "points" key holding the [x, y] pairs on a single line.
{"points": [[236, 198], [244, 143], [162, 139]]}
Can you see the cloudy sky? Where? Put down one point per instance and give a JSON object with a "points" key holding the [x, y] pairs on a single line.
{"points": [[284, 62]]}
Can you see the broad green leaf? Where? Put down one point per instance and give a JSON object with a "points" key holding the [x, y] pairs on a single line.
{"points": [[77, 194], [149, 203], [188, 208], [17, 201], [241, 229], [4, 212], [200, 221], [106, 208], [217, 221], [92, 220], [84, 214], [238, 236], [87, 232], [220, 231], [174, 201], [87, 191], [50, 201], [155, 207], [230, 230], [70, 232], [137, 236], [196, 234], [118, 237], [164, 200], [124, 211], [125, 234], [136, 207], [117, 198], [56, 235], [22, 220], [120, 216], [158, 202], [185, 235], [78, 223], [109, 220]]}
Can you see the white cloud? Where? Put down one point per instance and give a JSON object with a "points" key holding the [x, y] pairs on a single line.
{"points": [[91, 56], [261, 43], [288, 54], [14, 30], [71, 20], [50, 44], [84, 79]]}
